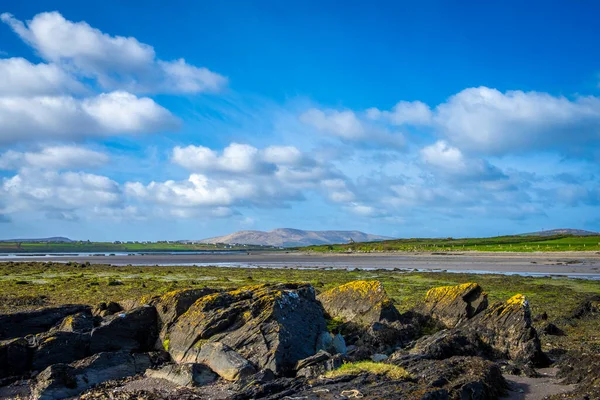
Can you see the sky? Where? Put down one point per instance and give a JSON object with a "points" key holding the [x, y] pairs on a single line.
{"points": [[184, 120]]}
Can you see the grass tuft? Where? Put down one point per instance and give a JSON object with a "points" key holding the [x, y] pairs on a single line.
{"points": [[361, 367]]}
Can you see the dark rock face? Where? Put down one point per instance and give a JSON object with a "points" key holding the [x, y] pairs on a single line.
{"points": [[33, 322], [60, 347], [60, 381], [272, 326], [134, 330], [15, 357], [318, 364], [107, 309], [184, 374], [224, 361], [80, 322], [454, 304], [360, 302]]}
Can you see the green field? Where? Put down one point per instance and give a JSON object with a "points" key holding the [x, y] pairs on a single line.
{"points": [[107, 247], [498, 244], [29, 285]]}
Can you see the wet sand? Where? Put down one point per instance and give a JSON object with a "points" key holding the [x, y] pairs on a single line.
{"points": [[573, 264]]}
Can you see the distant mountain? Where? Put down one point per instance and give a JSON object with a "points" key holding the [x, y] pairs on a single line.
{"points": [[553, 232], [41, 240], [293, 237]]}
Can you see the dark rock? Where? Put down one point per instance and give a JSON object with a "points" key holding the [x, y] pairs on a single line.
{"points": [[60, 347], [582, 369], [318, 364], [60, 381], [587, 308], [224, 361], [454, 304], [360, 302], [272, 326], [32, 322], [15, 357], [107, 309], [317, 358], [541, 317], [184, 374], [551, 329], [80, 322], [133, 330]]}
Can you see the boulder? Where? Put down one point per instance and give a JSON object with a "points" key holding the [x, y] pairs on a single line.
{"points": [[184, 374], [106, 309], [61, 381], [80, 322], [361, 302], [32, 322], [133, 330], [15, 357], [272, 326], [225, 361], [318, 364], [453, 304], [60, 347]]}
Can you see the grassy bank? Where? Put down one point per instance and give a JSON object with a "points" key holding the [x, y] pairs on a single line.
{"points": [[493, 244], [108, 247]]}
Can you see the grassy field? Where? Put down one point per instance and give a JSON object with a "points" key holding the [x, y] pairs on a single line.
{"points": [[29, 285], [498, 244], [107, 247]]}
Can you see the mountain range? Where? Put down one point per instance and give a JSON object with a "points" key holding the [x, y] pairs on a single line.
{"points": [[562, 231], [286, 237]]}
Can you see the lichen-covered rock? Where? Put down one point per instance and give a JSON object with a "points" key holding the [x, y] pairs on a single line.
{"points": [[32, 322], [273, 326], [184, 374], [360, 302], [80, 322], [134, 330], [106, 309], [225, 361], [61, 381], [60, 347], [15, 357], [454, 304]]}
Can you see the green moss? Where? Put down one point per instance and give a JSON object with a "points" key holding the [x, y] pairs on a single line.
{"points": [[388, 370], [334, 324]]}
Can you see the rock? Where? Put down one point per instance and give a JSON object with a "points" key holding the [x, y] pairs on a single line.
{"points": [[449, 343], [454, 304], [60, 347], [552, 330], [361, 302], [272, 326], [325, 342], [15, 357], [378, 357], [184, 374], [60, 381], [32, 322], [582, 369], [225, 361], [133, 330], [80, 322], [587, 308], [319, 357], [318, 364], [339, 344], [105, 310]]}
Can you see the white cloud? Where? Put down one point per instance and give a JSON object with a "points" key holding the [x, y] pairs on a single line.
{"points": [[19, 77], [344, 124], [404, 113], [51, 191], [117, 62], [491, 122], [54, 157], [66, 117]]}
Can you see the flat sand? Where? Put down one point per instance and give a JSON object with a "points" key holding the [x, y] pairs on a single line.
{"points": [[572, 264]]}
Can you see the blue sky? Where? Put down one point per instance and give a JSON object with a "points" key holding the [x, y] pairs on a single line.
{"points": [[183, 120]]}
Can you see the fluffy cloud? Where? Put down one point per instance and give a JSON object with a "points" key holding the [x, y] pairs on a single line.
{"points": [[450, 162], [488, 121], [66, 117], [116, 62], [54, 192], [404, 113], [19, 77], [54, 157]]}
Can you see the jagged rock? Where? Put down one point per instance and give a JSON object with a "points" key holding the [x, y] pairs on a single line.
{"points": [[503, 331], [133, 330], [32, 322], [224, 361], [184, 374], [107, 309], [15, 357], [361, 302], [80, 322], [454, 304], [273, 326], [60, 381], [582, 369], [318, 364], [60, 347], [589, 307]]}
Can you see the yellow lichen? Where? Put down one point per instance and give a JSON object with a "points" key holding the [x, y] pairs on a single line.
{"points": [[166, 344], [364, 289], [447, 294]]}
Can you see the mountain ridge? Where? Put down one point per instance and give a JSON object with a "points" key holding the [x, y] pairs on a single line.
{"points": [[561, 231], [289, 237]]}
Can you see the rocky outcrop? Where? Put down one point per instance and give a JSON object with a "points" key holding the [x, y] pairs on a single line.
{"points": [[60, 381], [318, 364], [80, 322], [134, 330], [15, 357], [360, 302], [60, 347], [184, 374], [32, 322], [272, 326], [453, 304], [224, 361]]}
